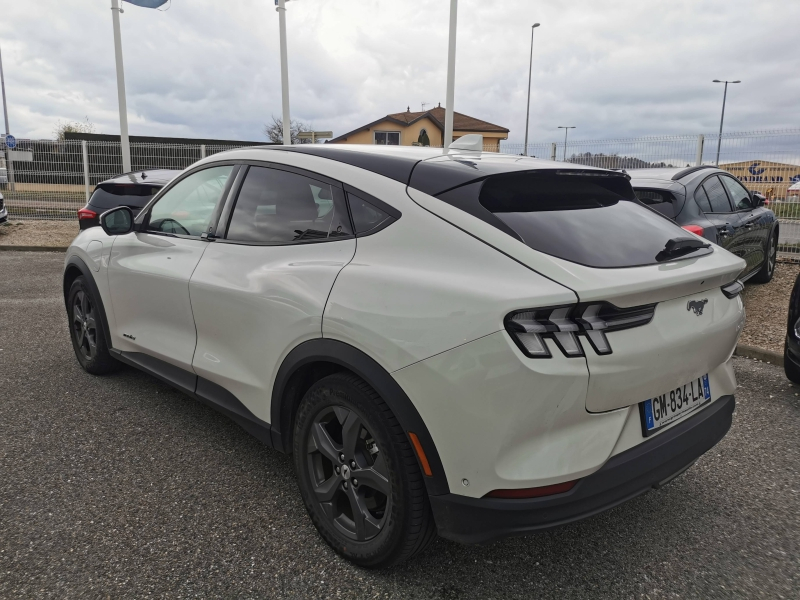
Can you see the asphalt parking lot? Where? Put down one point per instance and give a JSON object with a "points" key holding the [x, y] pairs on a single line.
{"points": [[120, 486]]}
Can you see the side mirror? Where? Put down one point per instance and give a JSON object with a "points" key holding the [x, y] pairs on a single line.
{"points": [[117, 221]]}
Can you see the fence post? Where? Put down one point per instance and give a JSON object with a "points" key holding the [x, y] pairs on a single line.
{"points": [[85, 148], [202, 151], [700, 141], [553, 151]]}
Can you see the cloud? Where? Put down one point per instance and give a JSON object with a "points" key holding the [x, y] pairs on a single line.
{"points": [[206, 68]]}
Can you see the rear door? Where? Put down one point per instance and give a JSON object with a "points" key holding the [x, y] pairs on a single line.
{"points": [[261, 289], [755, 230], [713, 200], [149, 271]]}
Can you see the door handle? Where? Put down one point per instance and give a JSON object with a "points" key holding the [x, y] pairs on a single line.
{"points": [[723, 232], [748, 225]]}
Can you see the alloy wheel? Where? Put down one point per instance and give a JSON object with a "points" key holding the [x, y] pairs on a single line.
{"points": [[84, 325], [348, 472]]}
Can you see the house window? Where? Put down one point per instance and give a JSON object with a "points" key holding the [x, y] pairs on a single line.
{"points": [[387, 138]]}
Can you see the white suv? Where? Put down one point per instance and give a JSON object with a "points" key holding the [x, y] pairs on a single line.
{"points": [[458, 342]]}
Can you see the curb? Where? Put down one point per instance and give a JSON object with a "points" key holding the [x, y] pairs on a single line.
{"points": [[33, 248], [767, 356]]}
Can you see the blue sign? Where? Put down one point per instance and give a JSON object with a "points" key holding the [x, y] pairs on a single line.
{"points": [[754, 169], [148, 3], [11, 141]]}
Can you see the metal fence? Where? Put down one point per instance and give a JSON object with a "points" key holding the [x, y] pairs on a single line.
{"points": [[61, 175]]}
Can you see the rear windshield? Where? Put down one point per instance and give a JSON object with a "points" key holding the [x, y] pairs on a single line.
{"points": [[587, 219], [113, 195]]}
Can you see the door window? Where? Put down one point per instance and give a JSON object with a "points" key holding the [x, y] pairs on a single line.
{"points": [[716, 195], [186, 208], [702, 200], [277, 206], [738, 193]]}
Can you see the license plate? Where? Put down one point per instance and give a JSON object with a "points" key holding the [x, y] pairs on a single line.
{"points": [[664, 409]]}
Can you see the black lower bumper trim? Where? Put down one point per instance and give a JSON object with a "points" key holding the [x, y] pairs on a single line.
{"points": [[624, 476]]}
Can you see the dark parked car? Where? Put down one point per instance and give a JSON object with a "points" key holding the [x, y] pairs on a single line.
{"points": [[133, 190], [791, 347], [715, 205], [3, 210]]}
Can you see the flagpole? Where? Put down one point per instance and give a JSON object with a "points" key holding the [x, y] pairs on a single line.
{"points": [[451, 76], [287, 123], [125, 146]]}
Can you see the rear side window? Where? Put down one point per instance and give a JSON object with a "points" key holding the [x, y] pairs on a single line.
{"points": [[279, 207], [112, 195], [717, 197], [587, 219], [366, 216], [663, 202]]}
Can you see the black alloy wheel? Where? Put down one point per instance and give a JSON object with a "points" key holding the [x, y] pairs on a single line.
{"points": [[349, 474], [84, 325], [767, 270], [86, 330], [358, 474]]}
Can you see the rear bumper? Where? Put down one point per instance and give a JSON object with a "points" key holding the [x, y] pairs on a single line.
{"points": [[624, 476]]}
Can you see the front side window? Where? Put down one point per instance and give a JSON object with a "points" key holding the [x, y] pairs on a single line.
{"points": [[186, 208], [275, 206], [387, 138], [738, 193], [717, 197]]}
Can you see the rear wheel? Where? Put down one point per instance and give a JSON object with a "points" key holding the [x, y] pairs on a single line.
{"points": [[358, 474], [86, 330], [767, 270]]}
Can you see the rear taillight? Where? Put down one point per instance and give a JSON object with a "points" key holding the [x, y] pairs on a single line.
{"points": [[566, 324], [86, 213], [537, 492], [695, 229]]}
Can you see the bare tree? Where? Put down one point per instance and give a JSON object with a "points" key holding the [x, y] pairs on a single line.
{"points": [[63, 127], [274, 131]]}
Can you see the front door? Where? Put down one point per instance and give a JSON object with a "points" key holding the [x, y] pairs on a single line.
{"points": [[149, 270], [714, 202]]}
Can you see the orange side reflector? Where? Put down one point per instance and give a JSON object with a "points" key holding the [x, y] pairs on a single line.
{"points": [[423, 460], [537, 492]]}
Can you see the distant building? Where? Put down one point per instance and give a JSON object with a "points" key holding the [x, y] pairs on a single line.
{"points": [[425, 128], [772, 179]]}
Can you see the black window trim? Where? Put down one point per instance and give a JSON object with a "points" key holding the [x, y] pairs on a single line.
{"points": [[724, 189], [233, 197], [143, 218]]}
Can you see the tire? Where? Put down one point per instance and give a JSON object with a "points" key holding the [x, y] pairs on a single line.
{"points": [[383, 519], [86, 330], [767, 270], [790, 368]]}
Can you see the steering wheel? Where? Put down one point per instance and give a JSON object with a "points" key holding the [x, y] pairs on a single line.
{"points": [[160, 225]]}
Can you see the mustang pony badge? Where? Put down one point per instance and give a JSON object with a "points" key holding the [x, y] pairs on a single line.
{"points": [[697, 306]]}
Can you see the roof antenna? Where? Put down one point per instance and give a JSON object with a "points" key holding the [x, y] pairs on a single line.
{"points": [[424, 104]]}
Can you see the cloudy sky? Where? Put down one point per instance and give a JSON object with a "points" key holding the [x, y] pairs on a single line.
{"points": [[210, 68]]}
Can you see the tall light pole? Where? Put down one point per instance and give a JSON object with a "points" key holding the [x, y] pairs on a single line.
{"points": [[530, 70], [287, 124], [9, 164], [722, 118], [125, 146], [451, 76], [566, 129]]}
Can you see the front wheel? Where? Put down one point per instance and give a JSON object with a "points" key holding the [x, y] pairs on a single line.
{"points": [[767, 270], [86, 330], [358, 474]]}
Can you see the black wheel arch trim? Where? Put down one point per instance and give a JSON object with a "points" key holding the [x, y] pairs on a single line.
{"points": [[75, 262], [284, 405]]}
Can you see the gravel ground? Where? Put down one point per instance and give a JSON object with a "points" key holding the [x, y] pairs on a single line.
{"points": [[768, 308], [38, 233], [121, 487]]}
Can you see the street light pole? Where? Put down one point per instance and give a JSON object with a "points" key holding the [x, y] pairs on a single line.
{"points": [[125, 146], [287, 124], [530, 70], [722, 118], [566, 129], [9, 164], [451, 76]]}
